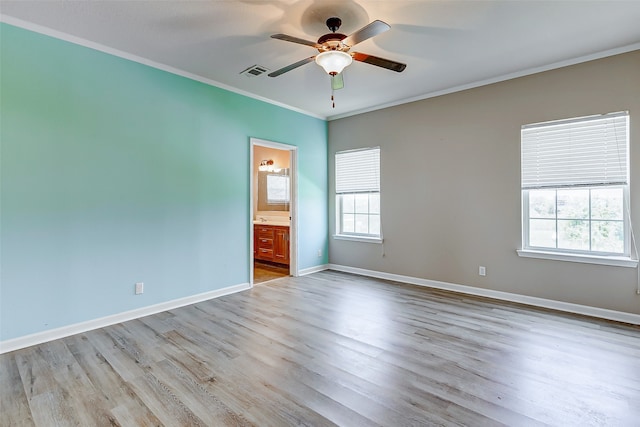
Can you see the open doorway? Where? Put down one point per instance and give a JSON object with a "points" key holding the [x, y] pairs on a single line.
{"points": [[273, 211]]}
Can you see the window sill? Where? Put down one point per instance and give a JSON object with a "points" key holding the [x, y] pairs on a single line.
{"points": [[587, 259], [358, 238]]}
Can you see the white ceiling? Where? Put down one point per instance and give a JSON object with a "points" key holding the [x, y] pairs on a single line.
{"points": [[447, 45]]}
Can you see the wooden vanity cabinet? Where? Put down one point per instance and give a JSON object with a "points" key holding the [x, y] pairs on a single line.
{"points": [[271, 243], [281, 245]]}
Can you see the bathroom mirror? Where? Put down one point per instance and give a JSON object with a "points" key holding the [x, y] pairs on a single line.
{"points": [[274, 192]]}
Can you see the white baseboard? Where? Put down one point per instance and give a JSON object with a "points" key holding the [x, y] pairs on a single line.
{"points": [[77, 328], [65, 331], [603, 313], [312, 270]]}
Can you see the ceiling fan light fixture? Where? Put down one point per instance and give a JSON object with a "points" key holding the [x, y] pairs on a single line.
{"points": [[333, 61]]}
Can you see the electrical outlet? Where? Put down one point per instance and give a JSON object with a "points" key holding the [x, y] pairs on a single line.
{"points": [[482, 271], [319, 253], [139, 288]]}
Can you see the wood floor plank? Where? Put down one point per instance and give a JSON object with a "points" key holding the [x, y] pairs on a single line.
{"points": [[125, 406], [204, 404], [14, 406], [160, 398], [333, 349], [123, 364]]}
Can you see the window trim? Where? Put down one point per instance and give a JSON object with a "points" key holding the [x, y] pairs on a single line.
{"points": [[616, 261], [359, 238], [562, 254]]}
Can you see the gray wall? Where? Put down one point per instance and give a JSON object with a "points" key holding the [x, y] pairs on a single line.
{"points": [[450, 184]]}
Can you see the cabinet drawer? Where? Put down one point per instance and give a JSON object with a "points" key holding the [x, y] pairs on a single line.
{"points": [[265, 243], [264, 252], [266, 232]]}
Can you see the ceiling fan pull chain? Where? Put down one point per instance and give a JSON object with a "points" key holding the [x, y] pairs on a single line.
{"points": [[332, 98]]}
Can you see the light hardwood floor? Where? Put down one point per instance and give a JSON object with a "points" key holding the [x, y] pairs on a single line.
{"points": [[265, 271], [333, 349]]}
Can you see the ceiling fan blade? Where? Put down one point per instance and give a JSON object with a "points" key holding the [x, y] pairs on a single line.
{"points": [[291, 67], [366, 32], [295, 40], [379, 62], [337, 82]]}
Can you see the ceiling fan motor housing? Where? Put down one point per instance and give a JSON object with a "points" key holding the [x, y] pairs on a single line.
{"points": [[333, 40]]}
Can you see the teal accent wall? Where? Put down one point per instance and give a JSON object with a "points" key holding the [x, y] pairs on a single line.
{"points": [[113, 172]]}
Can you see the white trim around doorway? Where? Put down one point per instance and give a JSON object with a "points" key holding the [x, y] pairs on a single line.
{"points": [[293, 228]]}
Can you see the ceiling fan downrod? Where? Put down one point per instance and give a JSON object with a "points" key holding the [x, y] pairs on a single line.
{"points": [[334, 23]]}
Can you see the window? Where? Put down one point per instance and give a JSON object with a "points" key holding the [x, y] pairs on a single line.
{"points": [[575, 186], [277, 189], [358, 193]]}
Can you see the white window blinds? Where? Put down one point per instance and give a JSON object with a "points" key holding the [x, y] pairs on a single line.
{"points": [[358, 171], [576, 152]]}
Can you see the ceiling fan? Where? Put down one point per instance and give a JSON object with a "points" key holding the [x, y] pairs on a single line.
{"points": [[334, 51]]}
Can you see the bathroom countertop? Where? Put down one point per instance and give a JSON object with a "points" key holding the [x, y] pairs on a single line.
{"points": [[278, 223]]}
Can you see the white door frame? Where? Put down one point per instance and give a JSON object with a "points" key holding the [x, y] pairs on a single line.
{"points": [[293, 229]]}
